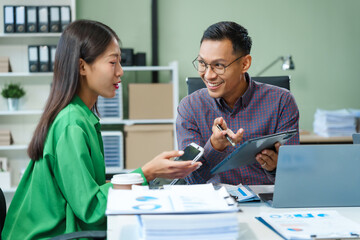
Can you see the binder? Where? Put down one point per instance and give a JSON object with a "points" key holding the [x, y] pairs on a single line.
{"points": [[20, 19], [65, 16], [9, 19], [43, 19], [52, 57], [33, 52], [31, 19], [44, 59], [54, 19]]}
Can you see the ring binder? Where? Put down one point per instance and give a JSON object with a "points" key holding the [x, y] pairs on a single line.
{"points": [[33, 58], [54, 19], [65, 16], [44, 58], [20, 19], [43, 19], [31, 19], [9, 19]]}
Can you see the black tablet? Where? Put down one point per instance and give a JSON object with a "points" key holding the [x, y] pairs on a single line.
{"points": [[246, 152]]}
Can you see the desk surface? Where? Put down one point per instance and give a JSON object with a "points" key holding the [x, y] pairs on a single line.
{"points": [[312, 138], [125, 226]]}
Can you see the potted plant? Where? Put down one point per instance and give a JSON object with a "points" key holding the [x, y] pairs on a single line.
{"points": [[13, 92]]}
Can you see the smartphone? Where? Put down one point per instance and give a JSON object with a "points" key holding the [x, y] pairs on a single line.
{"points": [[191, 152]]}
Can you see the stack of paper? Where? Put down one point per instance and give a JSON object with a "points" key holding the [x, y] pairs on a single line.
{"points": [[222, 226], [6, 137], [5, 64], [311, 224], [334, 123], [200, 198]]}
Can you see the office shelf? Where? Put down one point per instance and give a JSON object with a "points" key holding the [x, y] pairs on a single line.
{"points": [[14, 147], [20, 113], [22, 123]]}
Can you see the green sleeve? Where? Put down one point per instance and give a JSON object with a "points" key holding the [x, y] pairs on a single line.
{"points": [[139, 170], [76, 172]]}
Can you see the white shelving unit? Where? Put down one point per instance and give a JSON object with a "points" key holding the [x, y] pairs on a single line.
{"points": [[22, 123], [173, 68]]}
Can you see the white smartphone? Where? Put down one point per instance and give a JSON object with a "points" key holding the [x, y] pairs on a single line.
{"points": [[191, 152]]}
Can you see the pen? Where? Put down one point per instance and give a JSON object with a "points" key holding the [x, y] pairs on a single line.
{"points": [[227, 136]]}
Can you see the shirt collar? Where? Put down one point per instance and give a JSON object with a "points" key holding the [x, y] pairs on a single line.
{"points": [[91, 116], [243, 101]]}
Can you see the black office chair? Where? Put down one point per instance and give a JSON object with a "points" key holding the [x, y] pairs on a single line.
{"points": [[2, 211], [195, 83]]}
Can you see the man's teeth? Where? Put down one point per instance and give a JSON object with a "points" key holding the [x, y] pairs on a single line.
{"points": [[214, 84]]}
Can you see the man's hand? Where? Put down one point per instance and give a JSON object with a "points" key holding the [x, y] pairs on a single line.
{"points": [[163, 166], [218, 139], [268, 158]]}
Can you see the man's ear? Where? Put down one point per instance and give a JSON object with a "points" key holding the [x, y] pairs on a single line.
{"points": [[82, 67], [246, 62]]}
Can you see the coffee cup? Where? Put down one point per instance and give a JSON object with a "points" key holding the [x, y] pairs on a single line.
{"points": [[126, 180]]}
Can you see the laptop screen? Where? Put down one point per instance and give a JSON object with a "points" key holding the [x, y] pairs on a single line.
{"points": [[318, 176]]}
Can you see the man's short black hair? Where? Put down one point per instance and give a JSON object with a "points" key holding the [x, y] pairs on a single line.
{"points": [[236, 33]]}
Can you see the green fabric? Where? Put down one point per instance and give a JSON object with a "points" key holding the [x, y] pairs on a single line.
{"points": [[65, 191]]}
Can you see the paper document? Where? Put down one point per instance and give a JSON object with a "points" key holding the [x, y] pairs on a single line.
{"points": [[242, 193], [200, 198], [311, 224], [213, 226]]}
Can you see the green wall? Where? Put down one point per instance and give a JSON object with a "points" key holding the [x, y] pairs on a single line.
{"points": [[323, 36]]}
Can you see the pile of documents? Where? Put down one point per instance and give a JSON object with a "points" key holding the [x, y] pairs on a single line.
{"points": [[327, 224], [5, 138], [222, 226], [179, 212], [335, 123], [199, 198], [5, 64]]}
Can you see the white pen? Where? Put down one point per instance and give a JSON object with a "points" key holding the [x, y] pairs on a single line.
{"points": [[226, 135]]}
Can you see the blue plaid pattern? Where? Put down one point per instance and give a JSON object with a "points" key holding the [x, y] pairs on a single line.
{"points": [[262, 110]]}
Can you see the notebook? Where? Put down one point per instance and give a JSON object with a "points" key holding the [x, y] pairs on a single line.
{"points": [[317, 176], [356, 138]]}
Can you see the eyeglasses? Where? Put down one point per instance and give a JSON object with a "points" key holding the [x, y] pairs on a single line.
{"points": [[218, 68]]}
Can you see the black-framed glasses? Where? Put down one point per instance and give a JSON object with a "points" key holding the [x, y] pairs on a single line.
{"points": [[218, 68]]}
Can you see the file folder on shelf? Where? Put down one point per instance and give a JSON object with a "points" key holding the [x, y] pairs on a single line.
{"points": [[20, 19], [9, 19], [31, 19], [52, 57], [43, 19], [54, 19], [33, 52], [65, 16], [44, 59]]}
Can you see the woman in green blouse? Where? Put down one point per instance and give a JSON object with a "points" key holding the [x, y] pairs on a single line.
{"points": [[63, 189]]}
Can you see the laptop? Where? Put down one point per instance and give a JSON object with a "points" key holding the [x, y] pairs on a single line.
{"points": [[316, 176], [356, 138]]}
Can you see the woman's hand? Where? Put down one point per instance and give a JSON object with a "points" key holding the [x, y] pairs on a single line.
{"points": [[163, 166]]}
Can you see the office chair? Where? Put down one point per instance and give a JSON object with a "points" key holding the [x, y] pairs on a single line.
{"points": [[196, 83], [2, 210]]}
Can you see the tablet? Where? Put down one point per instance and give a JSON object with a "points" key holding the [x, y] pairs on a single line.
{"points": [[246, 152]]}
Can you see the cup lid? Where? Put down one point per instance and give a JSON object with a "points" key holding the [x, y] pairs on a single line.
{"points": [[127, 178]]}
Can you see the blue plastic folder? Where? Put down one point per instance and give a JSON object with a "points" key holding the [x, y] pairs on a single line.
{"points": [[246, 152]]}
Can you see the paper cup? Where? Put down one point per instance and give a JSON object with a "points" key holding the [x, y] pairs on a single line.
{"points": [[125, 181]]}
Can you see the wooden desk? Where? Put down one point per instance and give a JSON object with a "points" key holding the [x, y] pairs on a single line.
{"points": [[312, 138], [125, 226]]}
